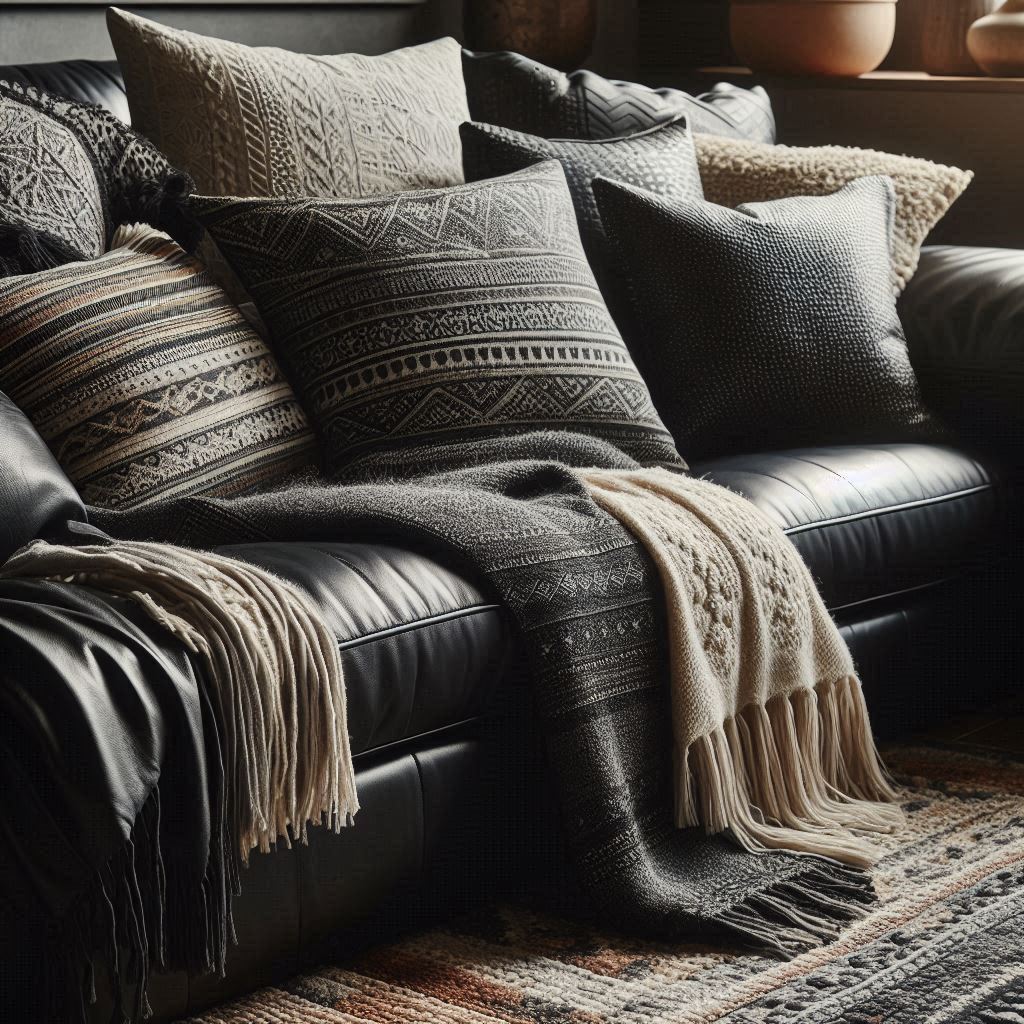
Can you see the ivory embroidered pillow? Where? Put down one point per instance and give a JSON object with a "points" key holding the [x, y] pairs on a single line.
{"points": [[437, 316], [69, 174], [735, 171], [144, 380], [261, 121]]}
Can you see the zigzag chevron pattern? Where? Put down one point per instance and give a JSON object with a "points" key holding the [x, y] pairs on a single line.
{"points": [[430, 316], [515, 92]]}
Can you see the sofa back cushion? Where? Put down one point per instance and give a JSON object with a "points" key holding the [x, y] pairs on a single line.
{"points": [[144, 380], [438, 316]]}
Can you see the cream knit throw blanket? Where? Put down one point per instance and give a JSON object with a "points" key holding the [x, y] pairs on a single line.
{"points": [[272, 664], [772, 739]]}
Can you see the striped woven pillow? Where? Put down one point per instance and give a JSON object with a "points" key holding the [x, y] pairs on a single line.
{"points": [[144, 380]]}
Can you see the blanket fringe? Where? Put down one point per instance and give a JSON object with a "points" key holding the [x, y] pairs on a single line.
{"points": [[272, 664], [801, 774], [804, 912]]}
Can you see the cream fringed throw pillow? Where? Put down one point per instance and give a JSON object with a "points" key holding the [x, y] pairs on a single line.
{"points": [[261, 121], [145, 381], [735, 171]]}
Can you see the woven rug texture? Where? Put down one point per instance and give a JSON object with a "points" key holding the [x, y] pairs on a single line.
{"points": [[943, 944]]}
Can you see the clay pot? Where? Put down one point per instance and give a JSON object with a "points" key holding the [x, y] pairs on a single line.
{"points": [[813, 37], [556, 32], [996, 41]]}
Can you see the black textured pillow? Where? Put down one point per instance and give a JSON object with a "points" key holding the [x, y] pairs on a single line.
{"points": [[661, 159], [435, 316], [770, 326], [515, 92], [70, 173]]}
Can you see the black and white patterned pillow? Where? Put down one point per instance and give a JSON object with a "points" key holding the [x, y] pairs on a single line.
{"points": [[661, 159], [516, 92], [144, 380], [433, 316], [773, 324], [70, 174]]}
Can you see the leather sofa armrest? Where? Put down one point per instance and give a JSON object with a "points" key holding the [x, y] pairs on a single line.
{"points": [[963, 312], [36, 497]]}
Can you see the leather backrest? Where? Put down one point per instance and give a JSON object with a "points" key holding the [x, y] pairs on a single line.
{"points": [[36, 497], [88, 81]]}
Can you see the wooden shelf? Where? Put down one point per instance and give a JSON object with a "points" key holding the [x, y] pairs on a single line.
{"points": [[910, 81]]}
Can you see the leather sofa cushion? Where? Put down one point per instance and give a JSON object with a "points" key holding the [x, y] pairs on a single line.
{"points": [[872, 521], [36, 496], [422, 646], [964, 317]]}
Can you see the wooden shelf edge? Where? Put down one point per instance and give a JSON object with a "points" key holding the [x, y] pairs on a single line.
{"points": [[880, 80]]}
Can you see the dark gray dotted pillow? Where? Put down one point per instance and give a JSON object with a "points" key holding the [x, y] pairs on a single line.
{"points": [[773, 325]]}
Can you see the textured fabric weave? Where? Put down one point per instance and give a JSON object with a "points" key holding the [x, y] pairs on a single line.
{"points": [[70, 173], [738, 171], [261, 121], [588, 605], [144, 380], [783, 325], [516, 92], [427, 316], [660, 160]]}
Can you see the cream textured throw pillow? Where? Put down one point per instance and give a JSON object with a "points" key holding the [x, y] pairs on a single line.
{"points": [[260, 121], [735, 171]]}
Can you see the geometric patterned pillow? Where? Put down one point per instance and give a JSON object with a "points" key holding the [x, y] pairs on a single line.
{"points": [[144, 380], [513, 91], [438, 316], [660, 159], [70, 173]]}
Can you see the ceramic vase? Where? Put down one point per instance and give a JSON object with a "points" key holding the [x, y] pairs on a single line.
{"points": [[942, 26], [556, 32], [812, 37], [996, 41]]}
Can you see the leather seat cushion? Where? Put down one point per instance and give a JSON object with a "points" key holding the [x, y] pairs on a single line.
{"points": [[872, 521], [422, 646]]}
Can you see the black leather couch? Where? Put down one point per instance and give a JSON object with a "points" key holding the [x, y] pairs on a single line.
{"points": [[913, 545]]}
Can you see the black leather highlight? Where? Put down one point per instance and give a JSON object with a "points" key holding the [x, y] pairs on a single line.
{"points": [[36, 497], [963, 313], [872, 521], [87, 81], [293, 901], [422, 647]]}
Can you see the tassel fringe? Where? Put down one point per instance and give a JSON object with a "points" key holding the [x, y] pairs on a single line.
{"points": [[801, 774], [273, 667]]}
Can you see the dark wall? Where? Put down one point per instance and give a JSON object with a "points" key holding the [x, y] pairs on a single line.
{"points": [[41, 32]]}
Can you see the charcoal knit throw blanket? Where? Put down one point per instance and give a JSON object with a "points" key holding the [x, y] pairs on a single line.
{"points": [[699, 707]]}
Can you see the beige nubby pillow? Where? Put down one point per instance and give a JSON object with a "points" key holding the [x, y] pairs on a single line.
{"points": [[735, 171], [261, 121]]}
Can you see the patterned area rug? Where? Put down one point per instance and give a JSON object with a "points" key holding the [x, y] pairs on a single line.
{"points": [[945, 943]]}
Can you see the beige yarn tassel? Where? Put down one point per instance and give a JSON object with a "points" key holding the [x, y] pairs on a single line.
{"points": [[273, 667], [800, 774], [772, 737]]}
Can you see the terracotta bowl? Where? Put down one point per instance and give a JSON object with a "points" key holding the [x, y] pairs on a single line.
{"points": [[813, 37]]}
